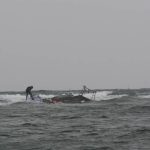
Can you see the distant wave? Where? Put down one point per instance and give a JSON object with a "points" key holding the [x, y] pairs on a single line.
{"points": [[144, 96]]}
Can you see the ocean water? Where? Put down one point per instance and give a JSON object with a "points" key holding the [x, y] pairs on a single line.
{"points": [[113, 120]]}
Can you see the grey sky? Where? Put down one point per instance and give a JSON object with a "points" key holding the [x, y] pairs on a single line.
{"points": [[64, 44]]}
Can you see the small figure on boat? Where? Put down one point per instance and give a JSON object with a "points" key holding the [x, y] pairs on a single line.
{"points": [[85, 90], [28, 92]]}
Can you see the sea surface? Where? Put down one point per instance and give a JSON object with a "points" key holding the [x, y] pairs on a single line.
{"points": [[113, 120]]}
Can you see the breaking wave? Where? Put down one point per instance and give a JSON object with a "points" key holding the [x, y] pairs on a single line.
{"points": [[9, 99], [144, 96], [6, 99], [104, 95]]}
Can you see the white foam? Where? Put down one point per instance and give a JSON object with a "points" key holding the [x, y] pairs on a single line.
{"points": [[144, 96], [103, 95], [10, 98], [46, 96]]}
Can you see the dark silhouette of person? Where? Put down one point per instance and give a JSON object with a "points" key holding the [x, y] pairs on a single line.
{"points": [[28, 92]]}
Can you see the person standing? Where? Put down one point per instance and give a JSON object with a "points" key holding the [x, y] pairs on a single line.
{"points": [[28, 92]]}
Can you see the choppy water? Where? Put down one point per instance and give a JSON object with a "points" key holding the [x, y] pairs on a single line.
{"points": [[108, 123]]}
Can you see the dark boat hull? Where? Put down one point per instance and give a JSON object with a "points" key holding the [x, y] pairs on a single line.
{"points": [[67, 99]]}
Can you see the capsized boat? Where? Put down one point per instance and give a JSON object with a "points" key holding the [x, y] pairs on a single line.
{"points": [[66, 99]]}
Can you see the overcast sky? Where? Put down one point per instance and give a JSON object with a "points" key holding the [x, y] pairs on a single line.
{"points": [[64, 44]]}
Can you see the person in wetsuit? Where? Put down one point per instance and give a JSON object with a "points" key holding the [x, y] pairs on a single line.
{"points": [[28, 92]]}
